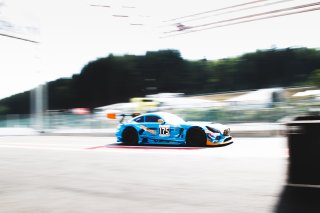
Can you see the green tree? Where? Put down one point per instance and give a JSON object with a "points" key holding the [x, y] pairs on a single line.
{"points": [[315, 78], [3, 110], [114, 79]]}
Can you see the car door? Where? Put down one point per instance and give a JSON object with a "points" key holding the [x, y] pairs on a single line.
{"points": [[157, 131], [151, 127]]}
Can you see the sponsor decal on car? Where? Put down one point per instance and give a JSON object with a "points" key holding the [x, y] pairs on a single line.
{"points": [[148, 130]]}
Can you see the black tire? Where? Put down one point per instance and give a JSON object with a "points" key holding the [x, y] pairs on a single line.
{"points": [[196, 137], [130, 136]]}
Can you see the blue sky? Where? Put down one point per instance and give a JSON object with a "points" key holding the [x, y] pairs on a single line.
{"points": [[72, 33]]}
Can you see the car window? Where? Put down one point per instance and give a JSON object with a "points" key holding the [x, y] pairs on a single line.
{"points": [[152, 118], [139, 119]]}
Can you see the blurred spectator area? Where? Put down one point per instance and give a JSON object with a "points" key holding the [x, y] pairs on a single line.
{"points": [[273, 105]]}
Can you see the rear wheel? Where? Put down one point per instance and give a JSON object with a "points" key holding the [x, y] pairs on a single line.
{"points": [[196, 137], [130, 136]]}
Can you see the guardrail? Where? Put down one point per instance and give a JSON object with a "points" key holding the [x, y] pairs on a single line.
{"points": [[226, 115]]}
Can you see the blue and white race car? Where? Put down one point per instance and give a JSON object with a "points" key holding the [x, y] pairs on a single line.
{"points": [[169, 129]]}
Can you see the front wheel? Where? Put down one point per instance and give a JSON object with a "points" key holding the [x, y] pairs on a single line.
{"points": [[196, 137], [130, 136]]}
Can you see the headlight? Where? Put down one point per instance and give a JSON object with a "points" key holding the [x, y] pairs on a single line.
{"points": [[226, 132]]}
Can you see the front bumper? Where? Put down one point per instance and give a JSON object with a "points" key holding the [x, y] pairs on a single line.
{"points": [[227, 141]]}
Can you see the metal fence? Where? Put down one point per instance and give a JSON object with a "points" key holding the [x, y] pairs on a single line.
{"points": [[231, 114], [57, 121]]}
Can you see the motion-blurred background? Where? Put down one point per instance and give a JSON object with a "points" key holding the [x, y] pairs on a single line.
{"points": [[67, 64], [250, 64]]}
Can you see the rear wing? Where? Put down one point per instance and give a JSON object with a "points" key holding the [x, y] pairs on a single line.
{"points": [[122, 115]]}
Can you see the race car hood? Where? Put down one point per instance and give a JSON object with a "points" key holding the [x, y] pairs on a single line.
{"points": [[217, 126]]}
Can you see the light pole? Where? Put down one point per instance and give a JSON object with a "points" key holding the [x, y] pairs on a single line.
{"points": [[10, 28]]}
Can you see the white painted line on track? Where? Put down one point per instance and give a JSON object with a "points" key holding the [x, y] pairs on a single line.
{"points": [[111, 149], [42, 148], [228, 151], [81, 148], [44, 144]]}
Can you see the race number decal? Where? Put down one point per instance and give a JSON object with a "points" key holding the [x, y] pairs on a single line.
{"points": [[164, 130]]}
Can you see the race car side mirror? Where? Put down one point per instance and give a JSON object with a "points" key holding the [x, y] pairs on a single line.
{"points": [[160, 121]]}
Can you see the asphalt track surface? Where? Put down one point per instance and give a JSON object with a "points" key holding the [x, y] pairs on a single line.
{"points": [[93, 174]]}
